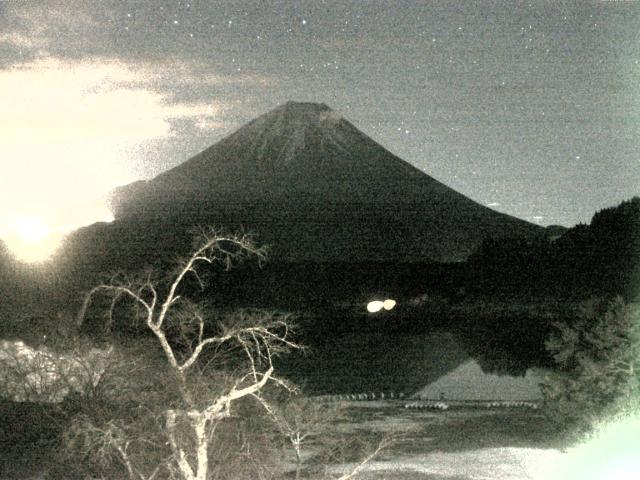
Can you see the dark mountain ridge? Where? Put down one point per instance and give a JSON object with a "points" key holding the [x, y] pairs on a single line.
{"points": [[314, 188]]}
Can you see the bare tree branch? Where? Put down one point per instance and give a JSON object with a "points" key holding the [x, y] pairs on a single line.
{"points": [[260, 336], [384, 443]]}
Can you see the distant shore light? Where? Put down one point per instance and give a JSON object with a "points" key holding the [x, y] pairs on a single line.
{"points": [[375, 306], [388, 304]]}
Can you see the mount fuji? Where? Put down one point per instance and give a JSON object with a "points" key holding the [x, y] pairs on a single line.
{"points": [[308, 183]]}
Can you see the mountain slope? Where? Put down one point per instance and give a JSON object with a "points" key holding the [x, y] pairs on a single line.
{"points": [[314, 187], [296, 149]]}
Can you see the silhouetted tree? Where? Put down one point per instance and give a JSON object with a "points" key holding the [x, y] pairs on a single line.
{"points": [[510, 264], [602, 258]]}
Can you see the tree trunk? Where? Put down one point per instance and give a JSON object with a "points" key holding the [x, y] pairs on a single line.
{"points": [[199, 423]]}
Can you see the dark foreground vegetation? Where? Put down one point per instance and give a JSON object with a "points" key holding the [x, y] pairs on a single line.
{"points": [[602, 258], [191, 386], [185, 394]]}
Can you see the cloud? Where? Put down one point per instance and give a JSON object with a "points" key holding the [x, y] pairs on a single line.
{"points": [[33, 31], [53, 101], [68, 129], [91, 102], [18, 40]]}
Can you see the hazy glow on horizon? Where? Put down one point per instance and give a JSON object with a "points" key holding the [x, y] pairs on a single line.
{"points": [[30, 239], [68, 130]]}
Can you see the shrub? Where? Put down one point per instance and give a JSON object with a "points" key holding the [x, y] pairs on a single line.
{"points": [[597, 364]]}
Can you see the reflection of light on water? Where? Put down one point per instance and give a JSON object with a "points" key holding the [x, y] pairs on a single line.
{"points": [[611, 453], [506, 463]]}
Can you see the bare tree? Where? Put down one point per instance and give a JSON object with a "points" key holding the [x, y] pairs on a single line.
{"points": [[303, 423], [355, 470], [183, 332]]}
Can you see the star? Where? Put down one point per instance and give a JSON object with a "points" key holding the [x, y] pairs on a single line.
{"points": [[389, 62]]}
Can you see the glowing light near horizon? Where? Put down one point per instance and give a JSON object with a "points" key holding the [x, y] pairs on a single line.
{"points": [[31, 230], [377, 305], [30, 239], [70, 134]]}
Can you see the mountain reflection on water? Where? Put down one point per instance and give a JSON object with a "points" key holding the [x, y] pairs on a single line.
{"points": [[375, 362]]}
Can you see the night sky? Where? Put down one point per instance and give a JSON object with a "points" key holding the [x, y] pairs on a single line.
{"points": [[530, 108]]}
